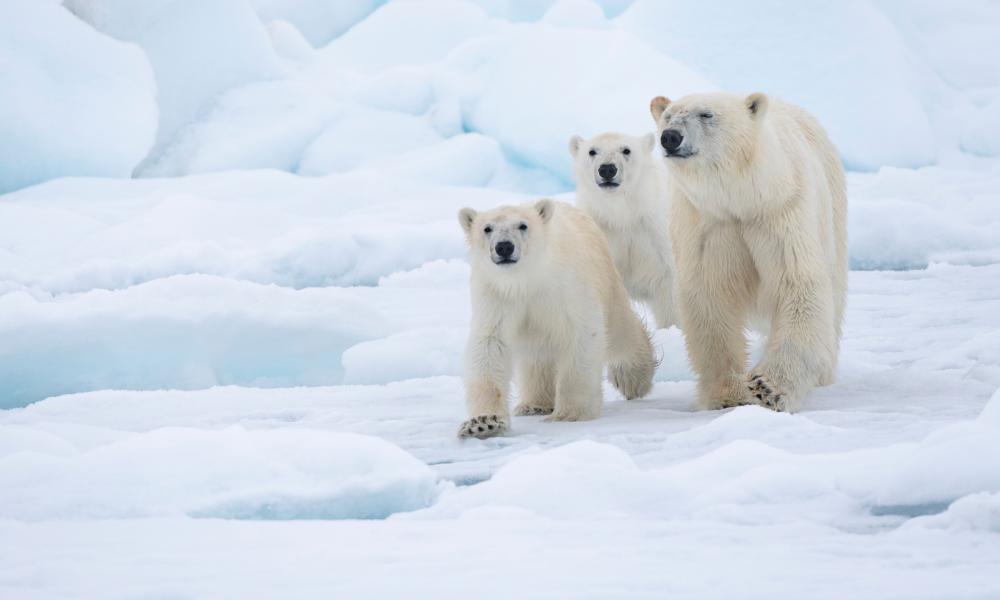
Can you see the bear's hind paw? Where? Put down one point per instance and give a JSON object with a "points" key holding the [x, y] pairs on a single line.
{"points": [[484, 426], [527, 410]]}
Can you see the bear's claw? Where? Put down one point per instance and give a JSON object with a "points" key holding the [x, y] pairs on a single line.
{"points": [[764, 393], [527, 410], [484, 426]]}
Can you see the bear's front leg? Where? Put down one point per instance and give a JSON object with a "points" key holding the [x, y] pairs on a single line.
{"points": [[716, 281], [487, 382]]}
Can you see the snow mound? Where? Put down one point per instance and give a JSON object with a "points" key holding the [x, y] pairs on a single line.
{"points": [[435, 274], [263, 125], [867, 93], [420, 32], [955, 43], [576, 13], [362, 137], [197, 50], [288, 41], [407, 355], [907, 219], [182, 332], [319, 20], [73, 101], [533, 10], [471, 159], [742, 481], [267, 227], [231, 473], [492, 77], [975, 512], [991, 412]]}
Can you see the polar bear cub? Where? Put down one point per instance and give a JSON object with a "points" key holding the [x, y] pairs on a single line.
{"points": [[624, 189], [758, 211], [548, 304]]}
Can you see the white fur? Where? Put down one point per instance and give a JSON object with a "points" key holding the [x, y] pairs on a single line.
{"points": [[632, 215], [758, 222], [556, 317]]}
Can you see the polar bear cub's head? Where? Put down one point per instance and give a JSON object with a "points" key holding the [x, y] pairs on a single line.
{"points": [[708, 130], [610, 161], [507, 236]]}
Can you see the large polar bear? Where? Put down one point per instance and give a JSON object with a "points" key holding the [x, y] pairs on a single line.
{"points": [[758, 214], [623, 187], [548, 303]]}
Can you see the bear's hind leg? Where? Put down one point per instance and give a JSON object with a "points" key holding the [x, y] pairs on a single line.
{"points": [[801, 348], [537, 379], [631, 362], [662, 304], [578, 379]]}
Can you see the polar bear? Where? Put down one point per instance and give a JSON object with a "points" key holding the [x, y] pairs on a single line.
{"points": [[547, 303], [624, 189], [758, 211]]}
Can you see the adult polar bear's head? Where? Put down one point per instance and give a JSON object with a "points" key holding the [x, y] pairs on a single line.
{"points": [[610, 161], [507, 235], [716, 130]]}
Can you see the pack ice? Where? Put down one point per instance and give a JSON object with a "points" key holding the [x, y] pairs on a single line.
{"points": [[234, 298]]}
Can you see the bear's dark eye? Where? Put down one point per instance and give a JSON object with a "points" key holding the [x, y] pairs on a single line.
{"points": [[522, 227], [488, 229], [593, 152], [706, 115], [626, 152]]}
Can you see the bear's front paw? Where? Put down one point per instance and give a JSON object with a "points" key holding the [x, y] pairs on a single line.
{"points": [[765, 394], [484, 426], [528, 410]]}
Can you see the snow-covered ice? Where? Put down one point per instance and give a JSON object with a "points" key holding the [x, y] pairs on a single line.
{"points": [[238, 374], [57, 106]]}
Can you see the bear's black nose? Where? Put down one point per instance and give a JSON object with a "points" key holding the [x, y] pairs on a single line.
{"points": [[505, 249], [671, 139], [607, 171]]}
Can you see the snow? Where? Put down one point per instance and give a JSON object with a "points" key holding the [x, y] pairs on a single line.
{"points": [[263, 125], [197, 52], [365, 136], [488, 76], [239, 373], [232, 473], [420, 31], [57, 107], [319, 21]]}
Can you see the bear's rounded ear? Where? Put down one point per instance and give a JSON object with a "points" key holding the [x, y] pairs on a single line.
{"points": [[657, 106], [757, 105], [649, 142], [465, 218], [574, 144], [545, 209]]}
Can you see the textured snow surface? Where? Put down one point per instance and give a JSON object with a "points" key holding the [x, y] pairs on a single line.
{"points": [[253, 83], [239, 374], [72, 101]]}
